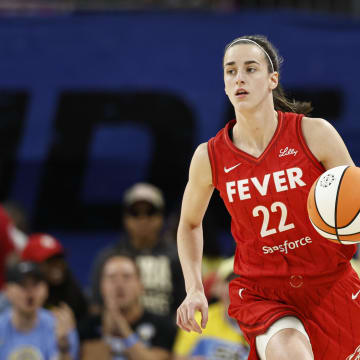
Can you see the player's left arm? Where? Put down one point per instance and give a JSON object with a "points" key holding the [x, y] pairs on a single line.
{"points": [[325, 143]]}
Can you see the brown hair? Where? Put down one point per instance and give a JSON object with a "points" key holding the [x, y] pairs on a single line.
{"points": [[124, 255], [281, 102]]}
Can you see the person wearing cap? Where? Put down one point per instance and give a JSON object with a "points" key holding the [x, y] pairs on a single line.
{"points": [[143, 222], [49, 253], [222, 338], [124, 329], [26, 329]]}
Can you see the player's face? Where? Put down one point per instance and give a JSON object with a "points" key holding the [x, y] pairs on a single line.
{"points": [[248, 82], [28, 296], [120, 286]]}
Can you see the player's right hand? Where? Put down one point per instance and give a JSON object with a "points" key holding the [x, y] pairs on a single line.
{"points": [[185, 316]]}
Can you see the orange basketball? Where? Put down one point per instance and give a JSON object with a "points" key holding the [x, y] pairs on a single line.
{"points": [[334, 204]]}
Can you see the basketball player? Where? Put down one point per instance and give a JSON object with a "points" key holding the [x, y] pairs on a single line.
{"points": [[297, 296]]}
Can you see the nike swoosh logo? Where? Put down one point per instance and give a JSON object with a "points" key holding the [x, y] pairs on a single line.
{"points": [[355, 296], [231, 168], [240, 292]]}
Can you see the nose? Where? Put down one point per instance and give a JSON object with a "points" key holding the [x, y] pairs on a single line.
{"points": [[240, 79]]}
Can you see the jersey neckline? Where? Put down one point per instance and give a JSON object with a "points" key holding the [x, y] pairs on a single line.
{"points": [[250, 157]]}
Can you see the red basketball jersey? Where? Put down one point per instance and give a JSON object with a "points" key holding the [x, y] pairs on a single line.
{"points": [[266, 198]]}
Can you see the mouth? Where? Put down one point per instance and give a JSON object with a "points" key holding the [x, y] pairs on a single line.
{"points": [[241, 93], [30, 301], [119, 294]]}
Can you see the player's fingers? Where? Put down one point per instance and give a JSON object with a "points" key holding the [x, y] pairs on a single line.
{"points": [[181, 320], [191, 319], [204, 316], [184, 320], [179, 323], [195, 326]]}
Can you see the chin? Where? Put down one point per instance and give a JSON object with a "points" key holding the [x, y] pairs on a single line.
{"points": [[28, 311], [244, 107], [55, 281]]}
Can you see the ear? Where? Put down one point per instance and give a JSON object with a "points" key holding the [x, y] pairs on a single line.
{"points": [[274, 80]]}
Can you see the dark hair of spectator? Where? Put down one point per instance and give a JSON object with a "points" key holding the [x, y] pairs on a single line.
{"points": [[122, 254]]}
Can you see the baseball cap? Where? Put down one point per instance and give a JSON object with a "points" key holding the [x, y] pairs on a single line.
{"points": [[144, 192], [41, 247], [17, 272]]}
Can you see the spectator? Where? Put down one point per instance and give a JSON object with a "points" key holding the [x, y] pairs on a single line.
{"points": [[49, 253], [124, 330], [222, 338], [26, 330], [143, 220]]}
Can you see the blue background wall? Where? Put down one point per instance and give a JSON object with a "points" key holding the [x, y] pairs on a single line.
{"points": [[175, 53]]}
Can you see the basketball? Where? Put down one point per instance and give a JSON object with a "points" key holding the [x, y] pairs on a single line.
{"points": [[334, 204]]}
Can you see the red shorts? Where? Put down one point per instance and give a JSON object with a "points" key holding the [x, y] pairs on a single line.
{"points": [[329, 311]]}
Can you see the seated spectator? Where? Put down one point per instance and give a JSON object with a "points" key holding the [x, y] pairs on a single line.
{"points": [[48, 252], [143, 220], [124, 330], [222, 338], [26, 330]]}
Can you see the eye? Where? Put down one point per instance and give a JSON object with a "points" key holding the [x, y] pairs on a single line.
{"points": [[230, 71], [251, 69]]}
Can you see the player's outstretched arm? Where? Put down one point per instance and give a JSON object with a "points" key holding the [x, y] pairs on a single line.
{"points": [[325, 143], [196, 198]]}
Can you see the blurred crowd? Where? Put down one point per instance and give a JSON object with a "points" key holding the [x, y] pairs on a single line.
{"points": [[136, 287]]}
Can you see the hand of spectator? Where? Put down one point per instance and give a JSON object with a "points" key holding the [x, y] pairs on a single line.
{"points": [[65, 322], [114, 322], [185, 316]]}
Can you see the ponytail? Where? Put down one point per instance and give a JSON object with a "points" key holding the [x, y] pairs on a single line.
{"points": [[282, 103]]}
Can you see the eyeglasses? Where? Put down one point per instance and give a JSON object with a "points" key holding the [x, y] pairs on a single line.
{"points": [[142, 213]]}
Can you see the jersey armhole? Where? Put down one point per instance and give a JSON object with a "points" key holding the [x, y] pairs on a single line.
{"points": [[211, 152], [305, 146]]}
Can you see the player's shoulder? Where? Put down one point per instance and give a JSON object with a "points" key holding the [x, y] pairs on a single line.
{"points": [[315, 124], [201, 155], [202, 149], [316, 128], [200, 168]]}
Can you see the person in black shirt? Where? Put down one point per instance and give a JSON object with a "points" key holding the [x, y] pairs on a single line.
{"points": [[124, 329], [156, 256]]}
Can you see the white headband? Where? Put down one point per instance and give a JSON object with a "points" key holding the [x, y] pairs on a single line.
{"points": [[255, 43]]}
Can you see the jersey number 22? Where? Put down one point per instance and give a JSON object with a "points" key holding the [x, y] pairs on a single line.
{"points": [[266, 214]]}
